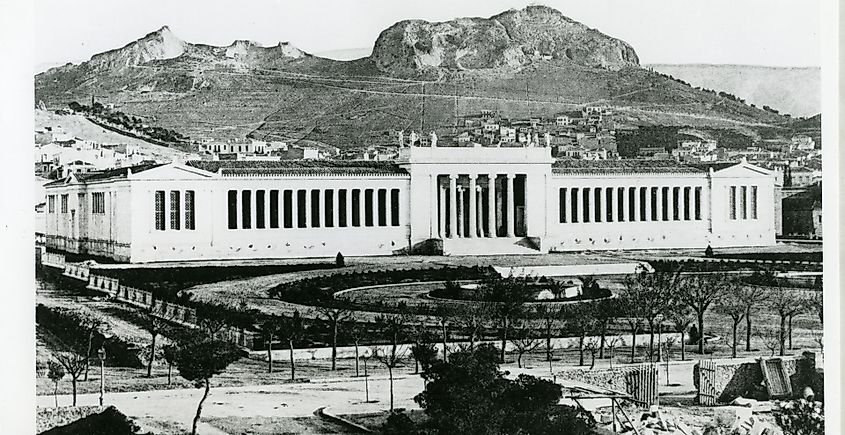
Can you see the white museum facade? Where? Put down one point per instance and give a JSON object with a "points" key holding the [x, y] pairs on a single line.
{"points": [[434, 200]]}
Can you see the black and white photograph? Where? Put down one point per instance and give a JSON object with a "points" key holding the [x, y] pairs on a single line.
{"points": [[445, 217]]}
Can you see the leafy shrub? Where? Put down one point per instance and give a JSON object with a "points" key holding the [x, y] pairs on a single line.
{"points": [[801, 417]]}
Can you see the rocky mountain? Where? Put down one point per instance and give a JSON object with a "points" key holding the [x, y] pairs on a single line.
{"points": [[796, 91], [420, 75], [510, 39]]}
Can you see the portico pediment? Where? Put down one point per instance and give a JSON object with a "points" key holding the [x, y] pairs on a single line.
{"points": [[173, 171]]}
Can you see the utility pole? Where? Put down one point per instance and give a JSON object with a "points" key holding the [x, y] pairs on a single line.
{"points": [[422, 109], [102, 354]]}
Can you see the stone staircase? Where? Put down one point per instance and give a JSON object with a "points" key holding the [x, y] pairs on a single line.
{"points": [[490, 246]]}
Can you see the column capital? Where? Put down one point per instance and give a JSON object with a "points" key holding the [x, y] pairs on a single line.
{"points": [[511, 176], [453, 176], [473, 176]]}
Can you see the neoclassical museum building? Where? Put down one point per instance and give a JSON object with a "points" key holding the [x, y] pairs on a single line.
{"points": [[432, 200]]}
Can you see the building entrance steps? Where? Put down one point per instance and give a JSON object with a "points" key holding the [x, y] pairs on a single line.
{"points": [[490, 246]]}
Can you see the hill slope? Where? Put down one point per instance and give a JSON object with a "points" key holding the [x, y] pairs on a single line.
{"points": [[796, 91], [420, 75]]}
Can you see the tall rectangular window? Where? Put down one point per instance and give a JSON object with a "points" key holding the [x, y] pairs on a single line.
{"points": [[586, 204], [620, 198], [274, 208], [394, 207], [753, 204], [80, 199], [315, 208], [732, 202], [232, 203], [342, 198], [743, 212], [608, 204], [665, 192], [98, 202], [329, 210], [597, 203], [562, 204], [246, 209], [368, 207], [632, 205], [356, 207], [301, 212], [676, 203], [174, 210], [382, 207], [288, 198], [190, 211], [159, 210], [64, 203], [687, 193], [51, 203], [697, 200], [643, 211], [574, 208], [655, 214], [259, 209]]}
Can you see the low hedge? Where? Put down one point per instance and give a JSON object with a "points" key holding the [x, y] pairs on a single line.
{"points": [[64, 324], [319, 291]]}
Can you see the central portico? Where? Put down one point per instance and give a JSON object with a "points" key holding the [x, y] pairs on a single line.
{"points": [[494, 196]]}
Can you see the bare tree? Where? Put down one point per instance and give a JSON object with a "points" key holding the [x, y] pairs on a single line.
{"points": [[550, 315], [680, 316], [772, 339], [751, 297], [334, 317], [154, 325], [785, 302], [508, 296], [92, 324], [445, 317], [472, 318], [699, 292], [55, 372], [592, 346], [523, 340], [169, 352], [270, 327], [606, 312], [291, 331], [647, 296], [74, 363], [581, 319], [730, 304], [612, 344], [356, 333]]}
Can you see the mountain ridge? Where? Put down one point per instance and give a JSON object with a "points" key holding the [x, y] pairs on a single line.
{"points": [[283, 93]]}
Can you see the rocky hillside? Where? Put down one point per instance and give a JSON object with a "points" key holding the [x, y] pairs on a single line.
{"points": [[511, 39], [796, 91], [420, 76]]}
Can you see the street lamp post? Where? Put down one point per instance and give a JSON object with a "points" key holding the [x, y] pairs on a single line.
{"points": [[366, 380], [102, 354]]}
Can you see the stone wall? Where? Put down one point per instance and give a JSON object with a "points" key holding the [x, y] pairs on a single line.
{"points": [[735, 379]]}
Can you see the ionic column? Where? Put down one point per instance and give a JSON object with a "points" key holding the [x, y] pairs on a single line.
{"points": [[348, 207], [461, 232], [591, 203], [648, 201], [294, 210], [491, 205], [453, 206], [441, 213], [661, 204], [687, 213], [473, 209], [510, 207], [479, 200], [434, 210]]}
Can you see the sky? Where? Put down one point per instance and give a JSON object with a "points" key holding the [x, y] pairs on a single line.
{"points": [[749, 32]]}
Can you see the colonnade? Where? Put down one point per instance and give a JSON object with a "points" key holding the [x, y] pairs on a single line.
{"points": [[479, 205], [630, 204]]}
